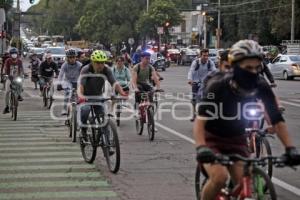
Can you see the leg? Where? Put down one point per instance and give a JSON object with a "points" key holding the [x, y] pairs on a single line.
{"points": [[84, 115], [218, 175], [236, 172], [66, 100], [7, 91]]}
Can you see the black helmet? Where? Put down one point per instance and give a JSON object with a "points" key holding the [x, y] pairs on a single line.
{"points": [[70, 52], [13, 51]]}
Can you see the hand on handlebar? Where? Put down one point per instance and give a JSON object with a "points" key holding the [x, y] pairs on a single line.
{"points": [[205, 154]]}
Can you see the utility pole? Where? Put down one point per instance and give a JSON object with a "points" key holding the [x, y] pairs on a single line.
{"points": [[293, 22], [147, 6], [19, 25], [219, 25], [204, 30]]}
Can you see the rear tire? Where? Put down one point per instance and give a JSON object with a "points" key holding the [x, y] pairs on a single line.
{"points": [[263, 149], [118, 114], [45, 98]]}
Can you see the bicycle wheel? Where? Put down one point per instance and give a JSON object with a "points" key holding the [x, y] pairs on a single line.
{"points": [[88, 145], [111, 147], [139, 125], [50, 98], [200, 180], [151, 123], [68, 121], [45, 98], [263, 188], [263, 149], [74, 123], [118, 114], [16, 103]]}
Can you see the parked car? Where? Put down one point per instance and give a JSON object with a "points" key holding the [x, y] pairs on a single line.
{"points": [[174, 55], [38, 51], [187, 56], [285, 66], [58, 54]]}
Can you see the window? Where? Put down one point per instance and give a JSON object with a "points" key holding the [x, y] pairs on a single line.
{"points": [[276, 59], [283, 59]]}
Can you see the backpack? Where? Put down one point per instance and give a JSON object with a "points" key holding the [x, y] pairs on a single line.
{"points": [[150, 71], [198, 65]]}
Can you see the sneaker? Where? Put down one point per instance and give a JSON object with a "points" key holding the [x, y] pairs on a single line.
{"points": [[20, 98], [6, 110]]}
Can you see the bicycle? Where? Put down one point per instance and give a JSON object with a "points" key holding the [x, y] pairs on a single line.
{"points": [[101, 132], [13, 95], [47, 92], [71, 121], [256, 184], [146, 114]]}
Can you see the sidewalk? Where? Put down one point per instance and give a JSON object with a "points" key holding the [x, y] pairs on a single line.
{"points": [[38, 160]]}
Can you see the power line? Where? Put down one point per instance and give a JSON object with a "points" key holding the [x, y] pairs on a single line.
{"points": [[254, 11], [230, 5]]}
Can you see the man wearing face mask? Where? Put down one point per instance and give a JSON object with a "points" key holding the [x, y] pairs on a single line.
{"points": [[224, 96], [198, 71], [13, 67], [68, 76]]}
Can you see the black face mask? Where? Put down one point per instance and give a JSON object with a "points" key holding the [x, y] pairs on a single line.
{"points": [[245, 79]]}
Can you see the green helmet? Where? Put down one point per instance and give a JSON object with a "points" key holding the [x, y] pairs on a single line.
{"points": [[98, 56]]}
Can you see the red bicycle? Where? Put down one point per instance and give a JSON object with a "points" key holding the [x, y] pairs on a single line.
{"points": [[255, 184], [146, 112]]}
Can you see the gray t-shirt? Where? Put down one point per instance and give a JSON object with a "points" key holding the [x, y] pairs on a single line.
{"points": [[93, 83]]}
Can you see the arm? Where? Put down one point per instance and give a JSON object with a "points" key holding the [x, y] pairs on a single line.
{"points": [[283, 135], [213, 66], [41, 69], [128, 76], [55, 69], [134, 79], [190, 73], [199, 131], [269, 75], [61, 73], [155, 79]]}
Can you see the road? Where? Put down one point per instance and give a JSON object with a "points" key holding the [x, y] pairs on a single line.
{"points": [[159, 170]]}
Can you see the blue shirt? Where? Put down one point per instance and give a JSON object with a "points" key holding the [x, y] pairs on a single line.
{"points": [[199, 74], [70, 73]]}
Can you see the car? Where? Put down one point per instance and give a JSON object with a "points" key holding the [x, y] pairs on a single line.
{"points": [[38, 51], [285, 66], [58, 54], [187, 56], [173, 55], [195, 48]]}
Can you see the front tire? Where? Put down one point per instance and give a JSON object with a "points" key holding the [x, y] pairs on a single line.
{"points": [[88, 147], [74, 124], [111, 147], [151, 123], [263, 149]]}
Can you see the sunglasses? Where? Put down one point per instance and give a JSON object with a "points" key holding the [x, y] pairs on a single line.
{"points": [[99, 62], [71, 57]]}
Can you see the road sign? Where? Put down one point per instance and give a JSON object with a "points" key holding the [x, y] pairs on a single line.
{"points": [[160, 30], [131, 41]]}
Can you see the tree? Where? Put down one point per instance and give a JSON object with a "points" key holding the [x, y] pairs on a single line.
{"points": [[160, 13]]}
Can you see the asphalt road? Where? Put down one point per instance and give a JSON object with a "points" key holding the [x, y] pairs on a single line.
{"points": [[164, 169]]}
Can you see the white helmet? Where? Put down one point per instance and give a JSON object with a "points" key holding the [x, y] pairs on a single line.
{"points": [[245, 49]]}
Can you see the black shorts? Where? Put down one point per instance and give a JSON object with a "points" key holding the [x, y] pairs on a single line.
{"points": [[228, 145]]}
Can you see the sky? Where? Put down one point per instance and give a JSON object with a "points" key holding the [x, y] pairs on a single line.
{"points": [[24, 4]]}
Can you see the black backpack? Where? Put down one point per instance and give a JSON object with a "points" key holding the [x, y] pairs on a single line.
{"points": [[198, 65]]}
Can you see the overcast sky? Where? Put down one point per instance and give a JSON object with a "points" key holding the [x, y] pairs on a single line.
{"points": [[24, 4]]}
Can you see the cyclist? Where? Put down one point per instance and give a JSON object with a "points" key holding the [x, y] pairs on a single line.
{"points": [[46, 72], [126, 56], [142, 75], [4, 58], [136, 58], [199, 69], [224, 96], [68, 76], [34, 66], [92, 83], [13, 67]]}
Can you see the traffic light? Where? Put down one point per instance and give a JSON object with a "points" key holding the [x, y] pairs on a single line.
{"points": [[31, 1]]}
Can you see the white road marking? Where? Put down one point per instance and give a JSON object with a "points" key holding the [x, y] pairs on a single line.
{"points": [[290, 103]]}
